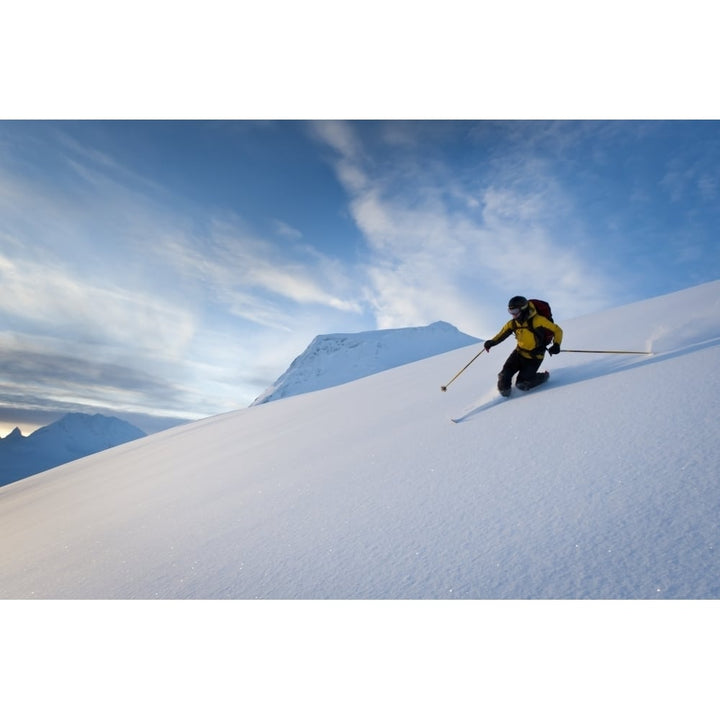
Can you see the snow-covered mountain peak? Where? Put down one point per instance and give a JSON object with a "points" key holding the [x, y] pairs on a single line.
{"points": [[13, 436], [82, 425], [338, 358]]}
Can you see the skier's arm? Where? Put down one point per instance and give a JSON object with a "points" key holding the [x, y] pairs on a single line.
{"points": [[556, 330], [504, 333]]}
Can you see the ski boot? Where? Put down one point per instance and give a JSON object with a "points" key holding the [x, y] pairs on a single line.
{"points": [[504, 385], [539, 379]]}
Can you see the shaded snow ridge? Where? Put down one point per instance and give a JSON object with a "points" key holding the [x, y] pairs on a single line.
{"points": [[74, 436], [336, 359]]}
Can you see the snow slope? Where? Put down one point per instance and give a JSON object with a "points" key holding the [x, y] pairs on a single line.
{"points": [[332, 360], [74, 436], [600, 484]]}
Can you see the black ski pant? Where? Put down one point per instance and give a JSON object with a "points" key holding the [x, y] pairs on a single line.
{"points": [[526, 368]]}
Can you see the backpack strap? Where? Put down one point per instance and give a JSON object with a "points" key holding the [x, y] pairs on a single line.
{"points": [[540, 341]]}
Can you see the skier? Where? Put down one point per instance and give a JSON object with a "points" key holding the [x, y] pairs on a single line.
{"points": [[529, 328]]}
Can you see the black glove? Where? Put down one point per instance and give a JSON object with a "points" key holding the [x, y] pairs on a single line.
{"points": [[554, 349], [488, 344]]}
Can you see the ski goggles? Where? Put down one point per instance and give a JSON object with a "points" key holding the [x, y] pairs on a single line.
{"points": [[515, 311]]}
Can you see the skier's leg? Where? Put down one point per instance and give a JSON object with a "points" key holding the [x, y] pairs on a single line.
{"points": [[511, 366], [528, 376]]}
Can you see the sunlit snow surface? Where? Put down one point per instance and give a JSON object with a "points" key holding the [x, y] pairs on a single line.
{"points": [[603, 483]]}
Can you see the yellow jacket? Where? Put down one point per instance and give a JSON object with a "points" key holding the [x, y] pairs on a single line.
{"points": [[528, 344]]}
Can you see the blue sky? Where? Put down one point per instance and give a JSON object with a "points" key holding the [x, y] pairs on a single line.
{"points": [[167, 270]]}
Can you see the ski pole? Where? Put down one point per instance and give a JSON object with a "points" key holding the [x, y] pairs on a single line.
{"points": [[445, 387], [612, 352]]}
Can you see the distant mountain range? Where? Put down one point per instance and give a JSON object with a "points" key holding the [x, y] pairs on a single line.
{"points": [[73, 436], [336, 359]]}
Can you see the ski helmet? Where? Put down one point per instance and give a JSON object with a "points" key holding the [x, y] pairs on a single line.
{"points": [[518, 306], [517, 303]]}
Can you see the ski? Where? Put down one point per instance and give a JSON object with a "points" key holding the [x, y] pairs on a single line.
{"points": [[497, 400], [480, 408]]}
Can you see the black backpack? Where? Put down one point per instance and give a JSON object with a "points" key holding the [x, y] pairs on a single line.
{"points": [[543, 335]]}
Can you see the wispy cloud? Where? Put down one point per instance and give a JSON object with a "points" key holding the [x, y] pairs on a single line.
{"points": [[146, 293], [56, 301], [694, 179], [254, 278], [449, 247], [286, 231]]}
